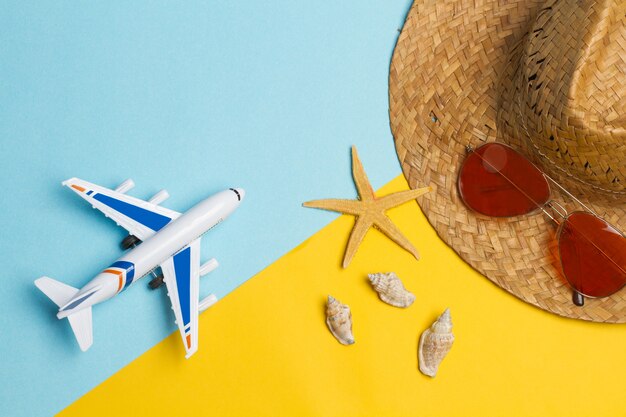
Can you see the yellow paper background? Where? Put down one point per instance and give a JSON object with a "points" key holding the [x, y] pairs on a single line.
{"points": [[265, 349]]}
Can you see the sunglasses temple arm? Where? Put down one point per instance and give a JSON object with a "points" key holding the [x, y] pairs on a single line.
{"points": [[577, 298], [570, 194]]}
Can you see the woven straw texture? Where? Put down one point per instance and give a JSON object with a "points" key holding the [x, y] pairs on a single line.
{"points": [[544, 77]]}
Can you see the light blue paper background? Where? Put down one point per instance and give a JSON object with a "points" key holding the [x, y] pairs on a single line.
{"points": [[193, 97]]}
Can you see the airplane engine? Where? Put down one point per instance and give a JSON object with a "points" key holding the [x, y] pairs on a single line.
{"points": [[207, 302], [126, 186], [208, 266], [159, 197]]}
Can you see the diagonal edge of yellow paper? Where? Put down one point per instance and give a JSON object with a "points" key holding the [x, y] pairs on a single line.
{"points": [[265, 349]]}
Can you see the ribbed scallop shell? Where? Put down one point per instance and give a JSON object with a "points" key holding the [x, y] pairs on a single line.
{"points": [[391, 290], [435, 343], [339, 321]]}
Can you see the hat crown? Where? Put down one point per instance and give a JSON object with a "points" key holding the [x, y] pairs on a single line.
{"points": [[573, 90]]}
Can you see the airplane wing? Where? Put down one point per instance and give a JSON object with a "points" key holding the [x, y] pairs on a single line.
{"points": [[141, 218], [181, 274]]}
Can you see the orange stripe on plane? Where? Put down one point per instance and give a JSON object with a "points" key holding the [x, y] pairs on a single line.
{"points": [[78, 187], [188, 341], [118, 273]]}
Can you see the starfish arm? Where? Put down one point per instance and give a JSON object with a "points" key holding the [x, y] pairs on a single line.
{"points": [[385, 225], [361, 226], [395, 199], [343, 206], [363, 186]]}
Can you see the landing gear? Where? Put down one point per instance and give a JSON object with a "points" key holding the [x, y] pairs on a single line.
{"points": [[130, 241], [156, 282]]}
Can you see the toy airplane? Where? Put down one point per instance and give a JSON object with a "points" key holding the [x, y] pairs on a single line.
{"points": [[170, 239]]}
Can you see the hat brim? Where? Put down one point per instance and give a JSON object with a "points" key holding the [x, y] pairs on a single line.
{"points": [[448, 88]]}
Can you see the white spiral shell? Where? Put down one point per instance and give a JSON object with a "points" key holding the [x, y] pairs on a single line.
{"points": [[435, 343], [339, 321], [391, 290]]}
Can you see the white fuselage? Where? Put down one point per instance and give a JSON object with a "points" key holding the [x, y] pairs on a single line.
{"points": [[155, 250]]}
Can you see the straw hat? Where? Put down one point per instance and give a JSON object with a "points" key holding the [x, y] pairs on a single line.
{"points": [[547, 78]]}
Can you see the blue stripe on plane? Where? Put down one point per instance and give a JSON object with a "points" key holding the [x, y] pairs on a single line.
{"points": [[154, 221], [182, 268], [130, 270], [77, 302]]}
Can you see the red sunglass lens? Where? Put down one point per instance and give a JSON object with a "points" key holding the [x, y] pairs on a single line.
{"points": [[593, 255], [497, 181]]}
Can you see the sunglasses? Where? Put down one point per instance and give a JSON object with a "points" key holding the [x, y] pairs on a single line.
{"points": [[497, 181]]}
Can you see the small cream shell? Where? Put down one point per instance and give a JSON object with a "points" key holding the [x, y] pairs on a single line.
{"points": [[391, 290], [339, 321], [435, 343]]}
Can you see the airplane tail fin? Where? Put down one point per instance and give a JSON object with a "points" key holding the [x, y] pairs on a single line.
{"points": [[56, 291], [83, 330], [80, 321]]}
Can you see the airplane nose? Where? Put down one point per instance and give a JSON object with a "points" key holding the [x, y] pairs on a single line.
{"points": [[240, 193]]}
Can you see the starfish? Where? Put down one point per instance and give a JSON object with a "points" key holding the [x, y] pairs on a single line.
{"points": [[369, 211]]}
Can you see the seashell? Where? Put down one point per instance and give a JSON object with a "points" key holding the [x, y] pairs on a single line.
{"points": [[391, 290], [435, 343], [339, 321]]}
